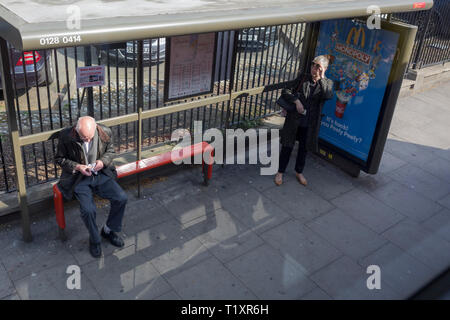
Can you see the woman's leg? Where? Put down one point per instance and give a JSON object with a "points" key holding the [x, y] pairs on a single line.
{"points": [[302, 133], [283, 161], [285, 154]]}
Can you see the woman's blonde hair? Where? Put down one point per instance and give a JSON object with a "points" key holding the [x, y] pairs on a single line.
{"points": [[323, 60]]}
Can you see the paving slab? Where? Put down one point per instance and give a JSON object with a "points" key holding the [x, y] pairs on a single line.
{"points": [[224, 184], [170, 248], [299, 201], [422, 136], [409, 111], [408, 202], [445, 201], [439, 224], [270, 275], [410, 152], [419, 180], [6, 285], [369, 211], [438, 133], [176, 192], [439, 168], [443, 153], [251, 177], [390, 163], [327, 182], [171, 295], [193, 206], [143, 214], [295, 241], [399, 270], [316, 294], [128, 275], [344, 279], [21, 259], [13, 297], [255, 210], [420, 243], [209, 280], [225, 236], [347, 234], [370, 183], [51, 284]]}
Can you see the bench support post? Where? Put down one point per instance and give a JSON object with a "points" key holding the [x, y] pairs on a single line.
{"points": [[140, 103]]}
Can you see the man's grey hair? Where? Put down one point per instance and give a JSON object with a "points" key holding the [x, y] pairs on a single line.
{"points": [[77, 127], [323, 60]]}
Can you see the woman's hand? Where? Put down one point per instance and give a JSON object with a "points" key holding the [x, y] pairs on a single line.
{"points": [[299, 106], [322, 73]]}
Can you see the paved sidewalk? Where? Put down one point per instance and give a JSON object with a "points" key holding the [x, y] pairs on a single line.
{"points": [[245, 238]]}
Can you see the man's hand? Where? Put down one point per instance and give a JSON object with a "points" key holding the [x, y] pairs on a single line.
{"points": [[300, 107], [99, 165], [85, 170]]}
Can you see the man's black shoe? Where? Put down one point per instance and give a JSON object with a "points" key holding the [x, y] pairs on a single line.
{"points": [[113, 238], [95, 249]]}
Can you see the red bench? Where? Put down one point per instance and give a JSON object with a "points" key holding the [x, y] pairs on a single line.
{"points": [[131, 168]]}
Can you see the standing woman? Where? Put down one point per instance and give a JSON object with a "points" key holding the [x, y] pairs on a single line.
{"points": [[309, 92]]}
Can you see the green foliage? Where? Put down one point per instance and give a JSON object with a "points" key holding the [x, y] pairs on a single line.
{"points": [[247, 124]]}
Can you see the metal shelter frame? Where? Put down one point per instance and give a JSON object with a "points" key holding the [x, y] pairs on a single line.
{"points": [[28, 36]]}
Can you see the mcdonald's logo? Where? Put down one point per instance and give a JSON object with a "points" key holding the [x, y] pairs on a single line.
{"points": [[357, 35]]}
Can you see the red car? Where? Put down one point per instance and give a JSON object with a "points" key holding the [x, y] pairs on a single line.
{"points": [[32, 68]]}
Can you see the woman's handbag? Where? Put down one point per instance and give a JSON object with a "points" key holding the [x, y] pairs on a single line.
{"points": [[288, 106], [283, 103]]}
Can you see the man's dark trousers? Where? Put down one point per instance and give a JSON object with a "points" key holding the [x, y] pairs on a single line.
{"points": [[107, 188]]}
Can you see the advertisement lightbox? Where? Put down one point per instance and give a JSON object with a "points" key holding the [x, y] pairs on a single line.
{"points": [[367, 67]]}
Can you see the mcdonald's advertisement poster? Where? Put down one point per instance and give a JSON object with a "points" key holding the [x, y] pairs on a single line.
{"points": [[361, 63]]}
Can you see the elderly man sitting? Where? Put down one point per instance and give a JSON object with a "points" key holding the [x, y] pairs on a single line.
{"points": [[85, 154]]}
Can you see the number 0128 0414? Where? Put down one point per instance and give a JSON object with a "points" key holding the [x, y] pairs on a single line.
{"points": [[45, 41]]}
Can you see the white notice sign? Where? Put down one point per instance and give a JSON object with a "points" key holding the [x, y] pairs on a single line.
{"points": [[191, 65], [90, 76]]}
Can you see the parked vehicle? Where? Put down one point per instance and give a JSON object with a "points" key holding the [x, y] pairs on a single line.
{"points": [[128, 51], [257, 38], [25, 74]]}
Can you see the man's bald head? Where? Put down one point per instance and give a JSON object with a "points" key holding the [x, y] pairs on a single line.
{"points": [[86, 127]]}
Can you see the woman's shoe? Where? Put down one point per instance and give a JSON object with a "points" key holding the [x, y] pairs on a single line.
{"points": [[278, 179], [301, 179]]}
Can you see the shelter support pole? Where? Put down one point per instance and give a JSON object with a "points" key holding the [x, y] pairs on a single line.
{"points": [[309, 45], [90, 94], [8, 94], [140, 103]]}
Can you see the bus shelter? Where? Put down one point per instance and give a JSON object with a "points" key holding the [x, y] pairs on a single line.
{"points": [[339, 27]]}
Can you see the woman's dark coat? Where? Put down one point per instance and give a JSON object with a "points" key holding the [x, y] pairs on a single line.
{"points": [[313, 103], [70, 153]]}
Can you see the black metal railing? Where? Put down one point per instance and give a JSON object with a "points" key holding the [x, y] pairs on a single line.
{"points": [[47, 97], [432, 44]]}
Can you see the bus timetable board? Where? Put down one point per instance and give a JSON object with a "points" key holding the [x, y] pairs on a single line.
{"points": [[191, 62], [367, 69]]}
